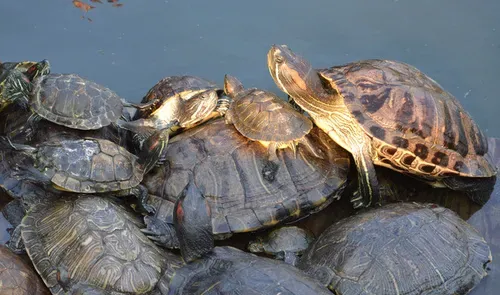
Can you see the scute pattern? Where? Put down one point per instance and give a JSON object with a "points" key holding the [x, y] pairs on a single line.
{"points": [[92, 241], [89, 165], [403, 248], [262, 115], [72, 101], [419, 117], [226, 167]]}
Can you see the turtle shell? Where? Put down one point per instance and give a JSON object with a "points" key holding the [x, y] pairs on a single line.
{"points": [[403, 248], [226, 167], [88, 165], [416, 125], [263, 116], [17, 276], [91, 241], [184, 87], [75, 102], [227, 270]]}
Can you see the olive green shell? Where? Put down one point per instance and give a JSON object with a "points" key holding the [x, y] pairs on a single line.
{"points": [[88, 165], [183, 86], [402, 248], [18, 277], [226, 167], [231, 271], [92, 241], [410, 117], [263, 116], [75, 102]]}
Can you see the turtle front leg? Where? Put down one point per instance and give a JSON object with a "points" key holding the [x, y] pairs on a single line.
{"points": [[16, 243], [290, 257], [368, 189], [31, 123], [161, 232], [142, 195]]}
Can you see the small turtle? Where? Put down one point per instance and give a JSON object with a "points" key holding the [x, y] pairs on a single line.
{"points": [[285, 243], [92, 165], [17, 276], [186, 101], [27, 72], [388, 113], [264, 117], [231, 271], [402, 248], [68, 100], [92, 243], [226, 166]]}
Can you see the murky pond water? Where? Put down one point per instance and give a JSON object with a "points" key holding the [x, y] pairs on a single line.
{"points": [[129, 48]]}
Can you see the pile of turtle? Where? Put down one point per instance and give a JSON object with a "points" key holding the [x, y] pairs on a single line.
{"points": [[360, 183]]}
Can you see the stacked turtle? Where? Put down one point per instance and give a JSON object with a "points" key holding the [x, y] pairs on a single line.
{"points": [[72, 150]]}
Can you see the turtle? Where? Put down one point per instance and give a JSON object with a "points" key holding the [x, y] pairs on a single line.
{"points": [[264, 117], [225, 166], [17, 276], [68, 100], [93, 243], [92, 165], [285, 243], [227, 270], [28, 71], [182, 101], [399, 248], [391, 114]]}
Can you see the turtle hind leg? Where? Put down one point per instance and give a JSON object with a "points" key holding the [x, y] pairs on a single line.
{"points": [[16, 243], [478, 189], [368, 191]]}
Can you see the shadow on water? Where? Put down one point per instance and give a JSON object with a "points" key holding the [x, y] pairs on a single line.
{"points": [[456, 42]]}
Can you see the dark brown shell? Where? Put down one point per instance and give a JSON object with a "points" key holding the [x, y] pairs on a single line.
{"points": [[75, 102], [226, 167], [18, 277], [263, 116], [405, 110]]}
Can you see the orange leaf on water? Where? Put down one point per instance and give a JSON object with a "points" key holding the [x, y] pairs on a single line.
{"points": [[96, 1], [117, 5], [83, 6]]}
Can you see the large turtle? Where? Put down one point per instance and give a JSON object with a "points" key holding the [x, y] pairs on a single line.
{"points": [[401, 248], [388, 113], [28, 71], [226, 166], [184, 101], [92, 245], [264, 117], [17, 276]]}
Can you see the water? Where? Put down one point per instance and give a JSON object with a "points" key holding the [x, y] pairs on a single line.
{"points": [[129, 48]]}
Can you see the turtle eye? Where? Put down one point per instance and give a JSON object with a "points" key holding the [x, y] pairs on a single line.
{"points": [[279, 58]]}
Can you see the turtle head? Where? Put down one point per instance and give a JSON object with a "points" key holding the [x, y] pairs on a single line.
{"points": [[193, 223], [38, 69], [232, 86], [292, 73], [256, 246], [198, 107]]}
